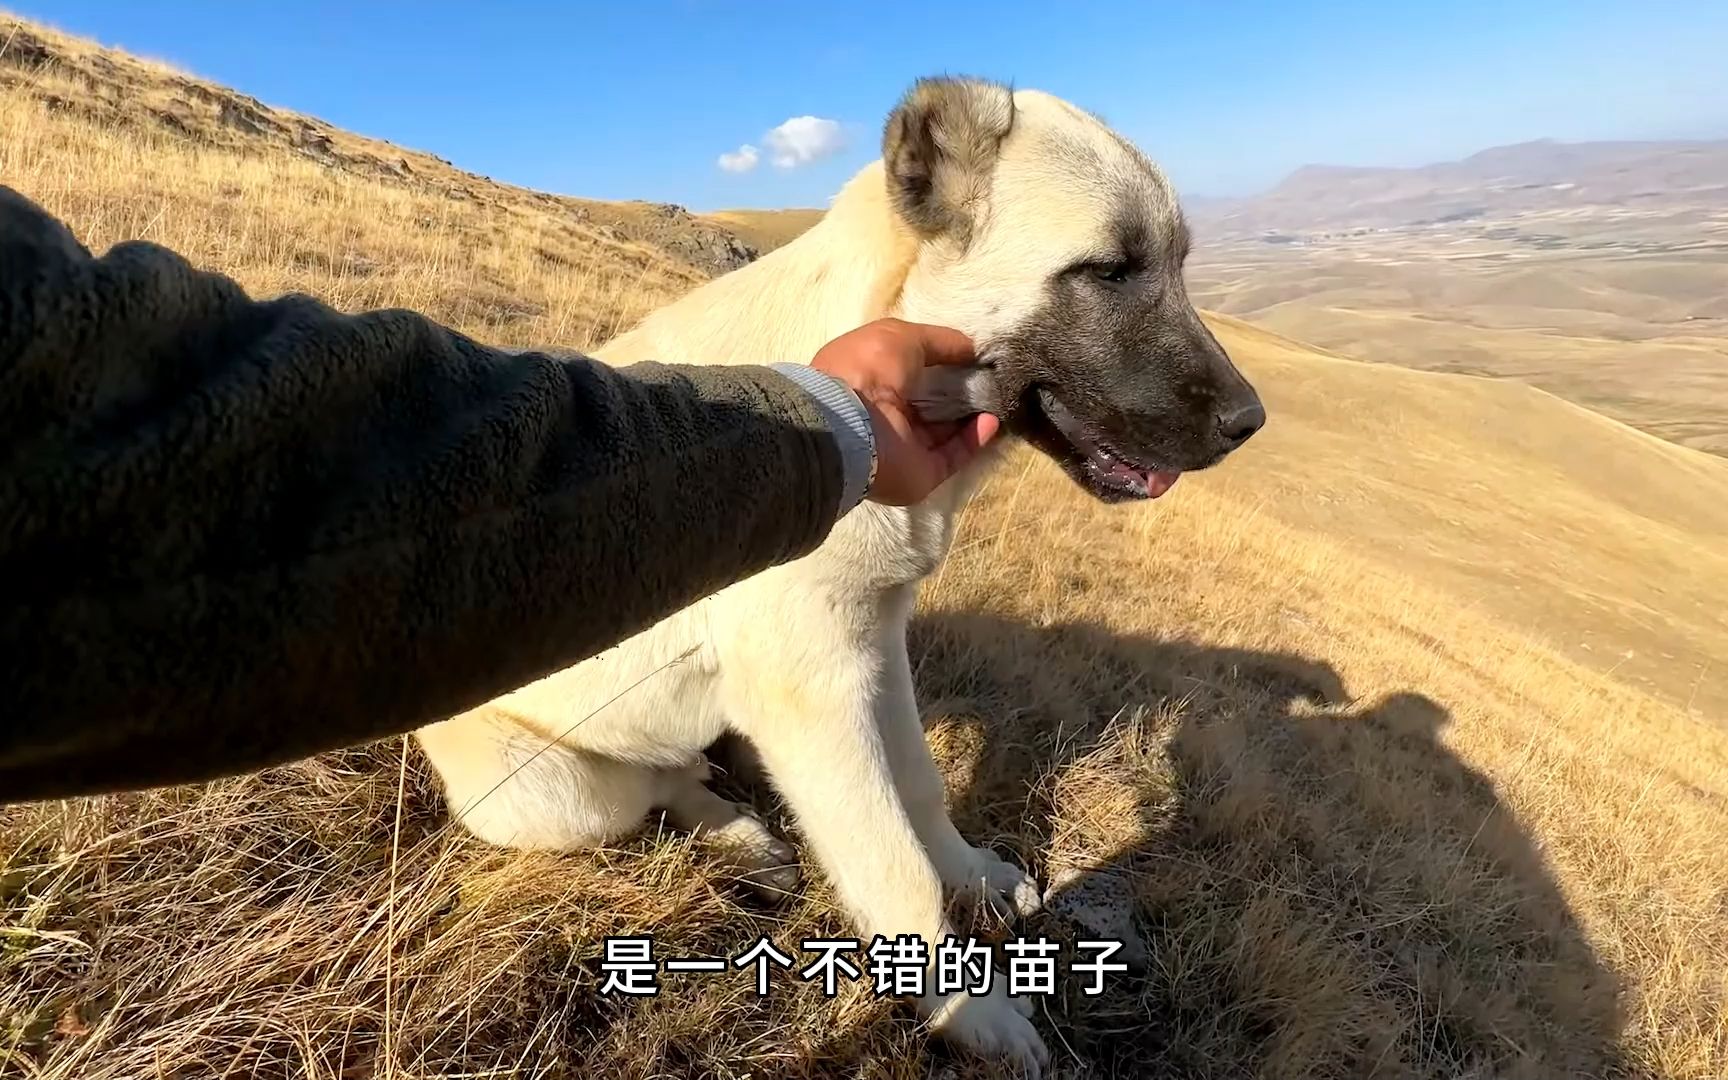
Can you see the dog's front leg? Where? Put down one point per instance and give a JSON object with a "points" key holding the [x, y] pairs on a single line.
{"points": [[974, 871], [824, 748]]}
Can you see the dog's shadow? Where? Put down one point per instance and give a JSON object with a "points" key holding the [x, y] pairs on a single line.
{"points": [[1309, 886]]}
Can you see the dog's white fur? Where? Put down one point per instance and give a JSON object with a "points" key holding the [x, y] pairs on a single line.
{"points": [[808, 660]]}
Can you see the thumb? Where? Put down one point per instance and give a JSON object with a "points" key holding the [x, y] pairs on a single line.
{"points": [[942, 345]]}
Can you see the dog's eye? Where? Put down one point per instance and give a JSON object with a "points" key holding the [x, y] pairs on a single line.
{"points": [[1115, 272]]}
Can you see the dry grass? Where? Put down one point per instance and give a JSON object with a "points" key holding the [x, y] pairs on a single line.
{"points": [[1368, 828], [279, 224], [1639, 337], [1608, 288], [1608, 544], [766, 230], [129, 151]]}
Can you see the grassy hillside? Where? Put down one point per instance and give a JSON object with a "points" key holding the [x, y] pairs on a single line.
{"points": [[1639, 339], [1634, 325], [766, 230], [1596, 271], [1346, 723], [1606, 543], [117, 143]]}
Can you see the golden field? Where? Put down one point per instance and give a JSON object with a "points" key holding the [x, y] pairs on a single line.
{"points": [[1402, 732], [1597, 271], [1643, 338]]}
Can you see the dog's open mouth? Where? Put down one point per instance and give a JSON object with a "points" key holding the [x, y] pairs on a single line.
{"points": [[1108, 470]]}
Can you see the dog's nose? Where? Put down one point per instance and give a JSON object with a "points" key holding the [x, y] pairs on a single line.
{"points": [[1239, 424]]}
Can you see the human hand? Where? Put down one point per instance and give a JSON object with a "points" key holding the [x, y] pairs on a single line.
{"points": [[882, 362]]}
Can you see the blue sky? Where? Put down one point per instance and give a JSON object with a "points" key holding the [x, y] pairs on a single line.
{"points": [[640, 99]]}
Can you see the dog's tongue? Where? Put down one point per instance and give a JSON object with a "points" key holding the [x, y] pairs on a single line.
{"points": [[1157, 483]]}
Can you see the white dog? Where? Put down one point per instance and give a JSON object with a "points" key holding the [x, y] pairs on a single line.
{"points": [[1058, 248]]}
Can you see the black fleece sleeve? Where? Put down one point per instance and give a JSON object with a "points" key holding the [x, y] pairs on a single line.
{"points": [[233, 533]]}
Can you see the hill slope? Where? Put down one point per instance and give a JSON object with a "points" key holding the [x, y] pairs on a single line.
{"points": [[1680, 181], [117, 92], [1610, 545], [1303, 718], [766, 230], [1597, 271]]}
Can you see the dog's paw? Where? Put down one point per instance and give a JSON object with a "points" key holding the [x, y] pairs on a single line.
{"points": [[765, 863], [993, 1026], [993, 880]]}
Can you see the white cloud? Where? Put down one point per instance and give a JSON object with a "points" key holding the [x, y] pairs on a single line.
{"points": [[741, 160], [804, 139], [800, 141]]}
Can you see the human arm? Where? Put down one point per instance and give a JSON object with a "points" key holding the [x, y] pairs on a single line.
{"points": [[233, 533]]}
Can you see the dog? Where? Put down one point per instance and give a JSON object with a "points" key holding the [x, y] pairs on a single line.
{"points": [[1058, 248]]}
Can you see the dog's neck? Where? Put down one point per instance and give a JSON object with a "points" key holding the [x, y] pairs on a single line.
{"points": [[845, 271], [848, 269]]}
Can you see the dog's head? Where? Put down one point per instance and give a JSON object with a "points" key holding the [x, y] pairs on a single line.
{"points": [[1058, 247]]}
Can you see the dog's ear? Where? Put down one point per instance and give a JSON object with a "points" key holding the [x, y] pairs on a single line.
{"points": [[939, 148]]}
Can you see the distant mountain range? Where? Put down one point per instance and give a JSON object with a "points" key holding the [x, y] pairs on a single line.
{"points": [[1596, 271], [1544, 176]]}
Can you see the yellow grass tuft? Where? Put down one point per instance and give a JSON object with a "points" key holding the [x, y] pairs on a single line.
{"points": [[1368, 821]]}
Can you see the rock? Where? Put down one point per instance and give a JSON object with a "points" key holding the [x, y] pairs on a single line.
{"points": [[315, 144], [248, 116], [1101, 903], [172, 122], [712, 249], [25, 50]]}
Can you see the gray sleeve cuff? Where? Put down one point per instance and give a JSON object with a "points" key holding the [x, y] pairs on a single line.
{"points": [[848, 420]]}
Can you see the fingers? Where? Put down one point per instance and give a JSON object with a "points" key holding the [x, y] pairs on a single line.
{"points": [[911, 465], [935, 434], [973, 436], [942, 345], [883, 362], [950, 393]]}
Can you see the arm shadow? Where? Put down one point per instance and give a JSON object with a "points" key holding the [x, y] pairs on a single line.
{"points": [[1307, 884]]}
